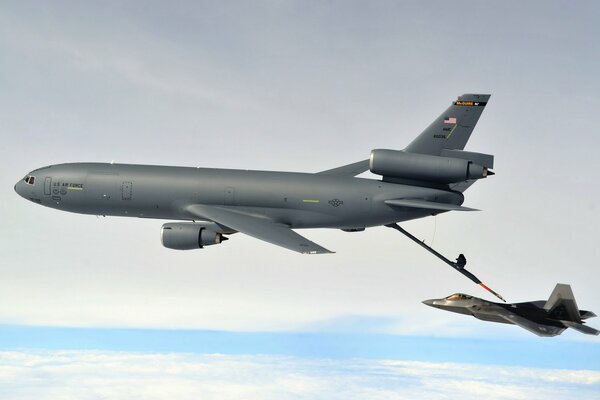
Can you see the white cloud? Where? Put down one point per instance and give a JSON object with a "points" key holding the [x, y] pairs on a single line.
{"points": [[119, 375]]}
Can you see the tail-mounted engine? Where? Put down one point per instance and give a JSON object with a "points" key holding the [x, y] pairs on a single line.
{"points": [[187, 236], [459, 166]]}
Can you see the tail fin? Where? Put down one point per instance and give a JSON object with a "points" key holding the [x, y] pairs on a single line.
{"points": [[562, 305], [452, 129]]}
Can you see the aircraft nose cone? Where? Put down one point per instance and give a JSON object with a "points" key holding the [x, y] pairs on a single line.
{"points": [[21, 189], [429, 302], [18, 187]]}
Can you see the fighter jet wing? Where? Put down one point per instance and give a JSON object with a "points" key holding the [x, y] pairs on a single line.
{"points": [[260, 228], [533, 327]]}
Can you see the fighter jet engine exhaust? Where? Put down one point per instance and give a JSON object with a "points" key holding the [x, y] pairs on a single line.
{"points": [[188, 236]]}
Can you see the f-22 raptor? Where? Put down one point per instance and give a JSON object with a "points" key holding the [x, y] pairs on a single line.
{"points": [[544, 318]]}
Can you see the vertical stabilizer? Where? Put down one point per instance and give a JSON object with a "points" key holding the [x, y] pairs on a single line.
{"points": [[452, 129], [562, 305]]}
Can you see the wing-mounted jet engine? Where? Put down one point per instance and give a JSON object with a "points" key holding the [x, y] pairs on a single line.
{"points": [[188, 236]]}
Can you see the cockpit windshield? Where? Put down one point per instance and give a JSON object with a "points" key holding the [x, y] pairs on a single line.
{"points": [[30, 180], [459, 296]]}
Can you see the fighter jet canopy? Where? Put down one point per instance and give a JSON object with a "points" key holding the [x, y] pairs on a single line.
{"points": [[459, 296]]}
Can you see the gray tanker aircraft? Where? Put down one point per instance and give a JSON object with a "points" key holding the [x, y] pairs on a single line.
{"points": [[544, 318], [428, 177]]}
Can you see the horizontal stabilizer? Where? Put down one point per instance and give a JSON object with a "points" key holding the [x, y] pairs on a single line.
{"points": [[462, 186], [428, 205], [581, 328], [583, 314]]}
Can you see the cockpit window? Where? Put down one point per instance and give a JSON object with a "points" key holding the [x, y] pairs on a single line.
{"points": [[459, 296], [30, 180]]}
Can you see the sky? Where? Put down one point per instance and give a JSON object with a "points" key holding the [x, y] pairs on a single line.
{"points": [[295, 86]]}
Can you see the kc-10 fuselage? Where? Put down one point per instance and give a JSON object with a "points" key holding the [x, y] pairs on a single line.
{"points": [[299, 200]]}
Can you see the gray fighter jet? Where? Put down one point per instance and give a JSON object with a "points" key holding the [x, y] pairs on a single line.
{"points": [[428, 177], [544, 318]]}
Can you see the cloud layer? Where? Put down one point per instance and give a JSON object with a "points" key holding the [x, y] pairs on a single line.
{"points": [[91, 375]]}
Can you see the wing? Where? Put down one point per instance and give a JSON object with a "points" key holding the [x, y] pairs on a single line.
{"points": [[260, 228], [533, 327], [347, 171], [428, 205]]}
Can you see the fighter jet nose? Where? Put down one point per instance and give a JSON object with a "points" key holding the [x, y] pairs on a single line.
{"points": [[428, 302]]}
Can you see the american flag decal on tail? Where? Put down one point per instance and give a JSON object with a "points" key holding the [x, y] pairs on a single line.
{"points": [[450, 120]]}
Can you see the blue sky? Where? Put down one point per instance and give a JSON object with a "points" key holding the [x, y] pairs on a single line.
{"points": [[297, 86], [536, 353]]}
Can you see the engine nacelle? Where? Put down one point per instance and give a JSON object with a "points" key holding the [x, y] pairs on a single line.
{"points": [[187, 236], [423, 167]]}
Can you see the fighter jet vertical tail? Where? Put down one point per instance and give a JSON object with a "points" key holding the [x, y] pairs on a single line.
{"points": [[562, 305], [452, 129]]}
